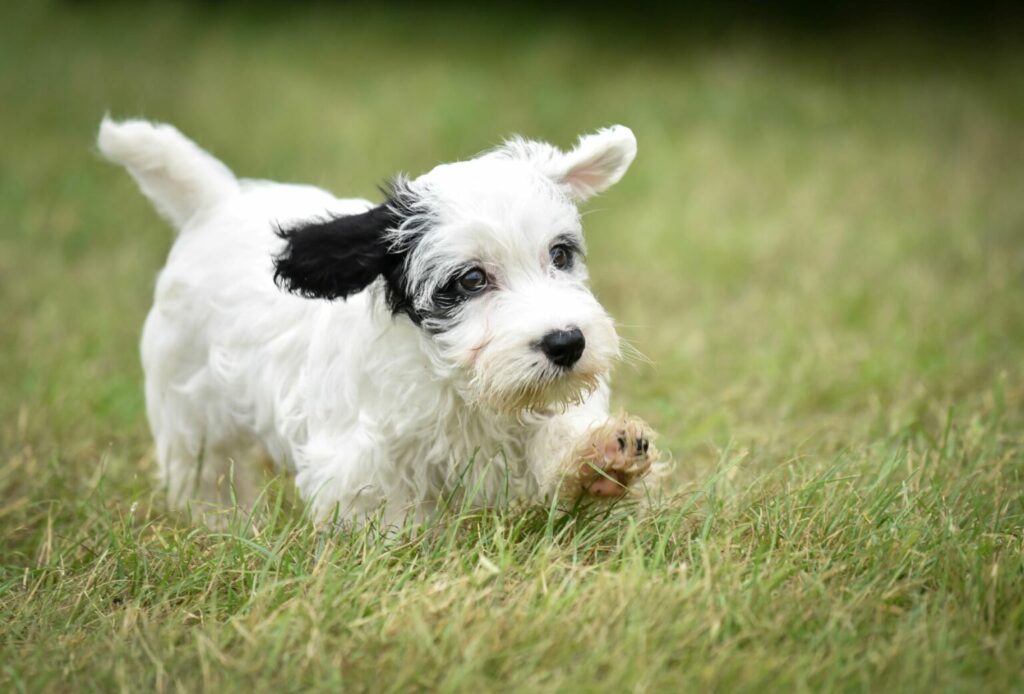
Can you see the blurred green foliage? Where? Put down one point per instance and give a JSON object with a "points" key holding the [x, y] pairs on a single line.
{"points": [[820, 249]]}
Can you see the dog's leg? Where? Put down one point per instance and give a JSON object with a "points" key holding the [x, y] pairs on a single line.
{"points": [[340, 476], [208, 482], [578, 454]]}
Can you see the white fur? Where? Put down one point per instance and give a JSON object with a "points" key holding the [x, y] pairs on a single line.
{"points": [[366, 408]]}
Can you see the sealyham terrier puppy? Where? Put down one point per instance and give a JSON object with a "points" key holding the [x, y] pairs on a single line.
{"points": [[389, 355]]}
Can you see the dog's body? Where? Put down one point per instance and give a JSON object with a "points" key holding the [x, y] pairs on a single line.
{"points": [[467, 352]]}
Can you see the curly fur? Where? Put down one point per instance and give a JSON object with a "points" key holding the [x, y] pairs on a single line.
{"points": [[333, 333]]}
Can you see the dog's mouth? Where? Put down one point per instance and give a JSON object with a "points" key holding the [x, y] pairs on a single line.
{"points": [[512, 378], [554, 388]]}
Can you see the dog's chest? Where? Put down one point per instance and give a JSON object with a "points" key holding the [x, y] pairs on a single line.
{"points": [[449, 445]]}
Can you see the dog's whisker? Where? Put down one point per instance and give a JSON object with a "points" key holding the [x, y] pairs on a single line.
{"points": [[631, 354]]}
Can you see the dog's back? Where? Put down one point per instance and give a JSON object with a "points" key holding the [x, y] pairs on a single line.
{"points": [[222, 347]]}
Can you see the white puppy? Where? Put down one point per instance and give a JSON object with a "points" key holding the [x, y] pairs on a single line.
{"points": [[388, 355]]}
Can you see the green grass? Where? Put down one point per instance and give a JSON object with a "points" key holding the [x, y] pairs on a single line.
{"points": [[820, 247]]}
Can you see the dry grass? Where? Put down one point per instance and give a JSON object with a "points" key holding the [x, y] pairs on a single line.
{"points": [[820, 249]]}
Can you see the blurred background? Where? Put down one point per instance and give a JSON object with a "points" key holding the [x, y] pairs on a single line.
{"points": [[821, 240], [819, 249]]}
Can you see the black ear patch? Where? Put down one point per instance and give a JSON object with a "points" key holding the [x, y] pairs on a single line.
{"points": [[338, 257]]}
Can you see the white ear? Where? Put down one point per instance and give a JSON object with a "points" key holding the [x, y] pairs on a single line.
{"points": [[597, 162]]}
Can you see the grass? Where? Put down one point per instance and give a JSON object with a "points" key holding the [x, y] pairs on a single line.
{"points": [[820, 247]]}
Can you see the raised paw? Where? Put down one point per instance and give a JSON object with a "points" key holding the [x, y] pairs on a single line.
{"points": [[612, 457]]}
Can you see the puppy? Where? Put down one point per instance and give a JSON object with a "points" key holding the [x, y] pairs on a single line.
{"points": [[388, 355]]}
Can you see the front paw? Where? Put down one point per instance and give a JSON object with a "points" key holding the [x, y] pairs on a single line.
{"points": [[611, 458]]}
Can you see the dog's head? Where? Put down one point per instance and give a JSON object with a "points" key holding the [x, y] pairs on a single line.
{"points": [[486, 256]]}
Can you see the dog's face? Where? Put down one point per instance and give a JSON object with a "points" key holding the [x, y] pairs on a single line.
{"points": [[486, 256]]}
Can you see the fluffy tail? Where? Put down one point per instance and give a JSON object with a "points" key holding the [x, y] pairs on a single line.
{"points": [[173, 172]]}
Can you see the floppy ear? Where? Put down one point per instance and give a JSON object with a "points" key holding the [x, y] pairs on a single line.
{"points": [[597, 162], [335, 258]]}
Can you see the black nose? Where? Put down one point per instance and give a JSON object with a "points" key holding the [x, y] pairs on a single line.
{"points": [[564, 347]]}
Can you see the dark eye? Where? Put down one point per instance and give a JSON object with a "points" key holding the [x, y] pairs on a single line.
{"points": [[473, 281], [561, 256]]}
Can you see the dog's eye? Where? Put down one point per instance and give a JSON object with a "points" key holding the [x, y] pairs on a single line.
{"points": [[473, 281], [561, 257]]}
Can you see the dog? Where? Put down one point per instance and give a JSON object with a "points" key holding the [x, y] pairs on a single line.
{"points": [[387, 355]]}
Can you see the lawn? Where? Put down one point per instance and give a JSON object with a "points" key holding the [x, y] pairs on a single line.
{"points": [[820, 249]]}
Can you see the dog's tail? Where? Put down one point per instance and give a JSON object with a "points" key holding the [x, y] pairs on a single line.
{"points": [[174, 172]]}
